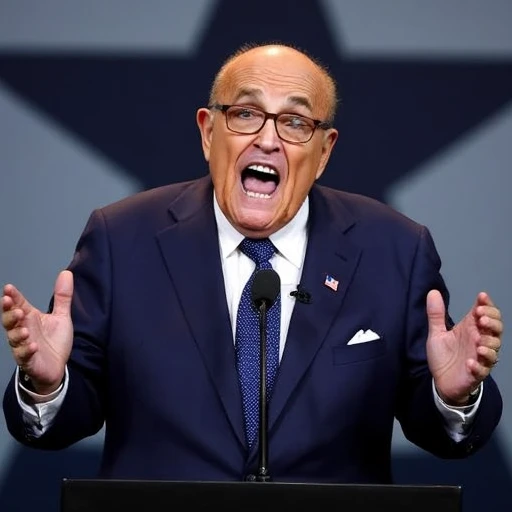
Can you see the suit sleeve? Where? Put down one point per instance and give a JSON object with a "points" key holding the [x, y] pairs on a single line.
{"points": [[417, 413], [82, 412]]}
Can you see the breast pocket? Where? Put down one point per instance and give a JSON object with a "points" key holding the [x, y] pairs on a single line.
{"points": [[359, 352]]}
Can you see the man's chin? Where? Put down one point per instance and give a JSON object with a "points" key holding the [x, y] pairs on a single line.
{"points": [[256, 223]]}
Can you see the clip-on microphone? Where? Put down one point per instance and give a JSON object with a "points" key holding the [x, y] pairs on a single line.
{"points": [[301, 295]]}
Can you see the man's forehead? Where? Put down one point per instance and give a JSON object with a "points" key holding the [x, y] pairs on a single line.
{"points": [[258, 94], [273, 74], [255, 76]]}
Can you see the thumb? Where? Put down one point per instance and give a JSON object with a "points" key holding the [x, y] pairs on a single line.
{"points": [[436, 312], [63, 293]]}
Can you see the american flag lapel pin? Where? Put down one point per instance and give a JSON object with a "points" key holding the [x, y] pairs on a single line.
{"points": [[331, 283]]}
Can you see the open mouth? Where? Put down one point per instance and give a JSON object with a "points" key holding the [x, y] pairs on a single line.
{"points": [[260, 181]]}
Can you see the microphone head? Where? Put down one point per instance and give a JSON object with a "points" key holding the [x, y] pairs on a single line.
{"points": [[265, 287]]}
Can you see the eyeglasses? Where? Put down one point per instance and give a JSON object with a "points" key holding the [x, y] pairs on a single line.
{"points": [[289, 127]]}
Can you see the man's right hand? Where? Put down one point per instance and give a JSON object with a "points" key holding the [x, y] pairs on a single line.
{"points": [[40, 342]]}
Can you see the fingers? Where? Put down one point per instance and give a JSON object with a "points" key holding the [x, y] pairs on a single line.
{"points": [[487, 356], [13, 298], [479, 370], [489, 323], [490, 311], [12, 321], [22, 348], [11, 317], [489, 319], [490, 342], [23, 353], [17, 336], [486, 313], [490, 326], [483, 299], [63, 293], [14, 308]]}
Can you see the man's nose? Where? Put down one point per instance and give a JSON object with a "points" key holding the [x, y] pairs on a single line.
{"points": [[267, 138]]}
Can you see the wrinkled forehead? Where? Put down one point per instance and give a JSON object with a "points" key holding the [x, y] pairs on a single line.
{"points": [[279, 80]]}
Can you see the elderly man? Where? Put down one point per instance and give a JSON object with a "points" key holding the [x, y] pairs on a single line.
{"points": [[152, 331]]}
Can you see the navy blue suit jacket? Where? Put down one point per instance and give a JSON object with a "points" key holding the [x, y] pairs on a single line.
{"points": [[154, 356]]}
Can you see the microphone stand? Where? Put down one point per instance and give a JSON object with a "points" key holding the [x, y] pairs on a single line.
{"points": [[265, 290], [263, 474]]}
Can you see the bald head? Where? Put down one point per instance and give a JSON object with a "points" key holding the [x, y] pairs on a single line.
{"points": [[285, 61]]}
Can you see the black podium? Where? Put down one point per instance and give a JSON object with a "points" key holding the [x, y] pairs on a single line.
{"points": [[149, 496]]}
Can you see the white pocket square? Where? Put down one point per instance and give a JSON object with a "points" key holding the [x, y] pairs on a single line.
{"points": [[363, 337]]}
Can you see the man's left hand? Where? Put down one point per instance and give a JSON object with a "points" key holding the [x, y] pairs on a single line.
{"points": [[461, 358]]}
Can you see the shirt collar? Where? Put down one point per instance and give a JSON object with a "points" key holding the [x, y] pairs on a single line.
{"points": [[290, 240]]}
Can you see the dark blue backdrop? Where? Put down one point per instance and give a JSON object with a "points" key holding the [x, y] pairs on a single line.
{"points": [[139, 111]]}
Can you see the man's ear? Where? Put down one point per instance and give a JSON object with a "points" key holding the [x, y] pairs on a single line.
{"points": [[330, 138], [204, 118]]}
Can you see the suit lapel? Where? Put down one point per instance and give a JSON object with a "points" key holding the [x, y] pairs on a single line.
{"points": [[328, 253], [190, 249]]}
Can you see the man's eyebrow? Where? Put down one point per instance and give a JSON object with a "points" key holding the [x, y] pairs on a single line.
{"points": [[300, 101], [249, 93]]}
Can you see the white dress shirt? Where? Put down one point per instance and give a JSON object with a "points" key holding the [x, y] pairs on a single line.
{"points": [[290, 242]]}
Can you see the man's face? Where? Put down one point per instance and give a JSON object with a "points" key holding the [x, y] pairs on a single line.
{"points": [[261, 181]]}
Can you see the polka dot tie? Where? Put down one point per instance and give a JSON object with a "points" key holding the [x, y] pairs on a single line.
{"points": [[248, 338]]}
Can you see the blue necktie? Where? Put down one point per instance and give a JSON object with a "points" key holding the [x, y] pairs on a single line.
{"points": [[248, 338]]}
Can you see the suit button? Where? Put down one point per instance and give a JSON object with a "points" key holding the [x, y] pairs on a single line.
{"points": [[250, 478]]}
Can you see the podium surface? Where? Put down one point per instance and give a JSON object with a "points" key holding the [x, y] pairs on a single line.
{"points": [[79, 495]]}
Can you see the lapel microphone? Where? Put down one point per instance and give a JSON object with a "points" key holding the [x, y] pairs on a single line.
{"points": [[301, 295]]}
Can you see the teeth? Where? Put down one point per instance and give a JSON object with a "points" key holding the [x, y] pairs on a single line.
{"points": [[263, 168], [257, 195]]}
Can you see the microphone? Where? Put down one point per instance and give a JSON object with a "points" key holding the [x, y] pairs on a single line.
{"points": [[301, 295], [265, 289]]}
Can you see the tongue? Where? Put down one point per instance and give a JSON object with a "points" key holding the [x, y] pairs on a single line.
{"points": [[260, 187]]}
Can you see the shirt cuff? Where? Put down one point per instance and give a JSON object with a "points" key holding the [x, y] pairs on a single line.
{"points": [[39, 411], [35, 398], [458, 418]]}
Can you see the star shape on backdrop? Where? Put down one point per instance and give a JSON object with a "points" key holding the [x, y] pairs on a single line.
{"points": [[139, 110]]}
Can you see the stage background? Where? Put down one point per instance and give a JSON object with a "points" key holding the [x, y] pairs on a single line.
{"points": [[98, 100]]}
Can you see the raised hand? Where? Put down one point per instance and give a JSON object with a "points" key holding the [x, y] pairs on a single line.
{"points": [[460, 358], [40, 342]]}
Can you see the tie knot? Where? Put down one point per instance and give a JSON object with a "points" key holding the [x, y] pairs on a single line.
{"points": [[260, 250]]}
